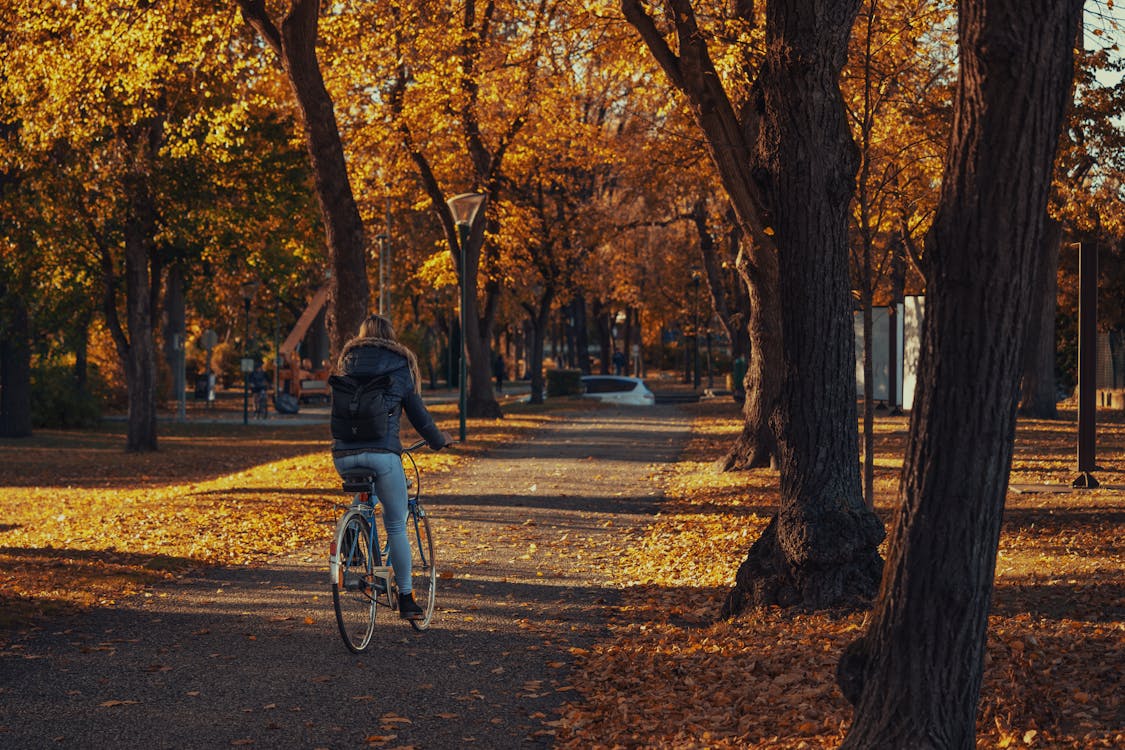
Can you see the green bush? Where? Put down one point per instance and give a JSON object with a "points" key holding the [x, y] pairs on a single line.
{"points": [[57, 402], [564, 383]]}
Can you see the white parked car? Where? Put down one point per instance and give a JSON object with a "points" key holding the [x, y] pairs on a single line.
{"points": [[618, 389]]}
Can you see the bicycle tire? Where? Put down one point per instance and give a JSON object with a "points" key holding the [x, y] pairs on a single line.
{"points": [[352, 567], [423, 568]]}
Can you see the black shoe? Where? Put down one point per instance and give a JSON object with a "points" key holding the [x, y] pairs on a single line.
{"points": [[408, 609]]}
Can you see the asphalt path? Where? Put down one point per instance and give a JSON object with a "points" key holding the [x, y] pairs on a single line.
{"points": [[250, 657]]}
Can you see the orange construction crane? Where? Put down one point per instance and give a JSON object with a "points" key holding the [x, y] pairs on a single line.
{"points": [[299, 378]]}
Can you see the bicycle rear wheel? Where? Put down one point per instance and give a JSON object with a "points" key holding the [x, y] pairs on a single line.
{"points": [[423, 570], [352, 594]]}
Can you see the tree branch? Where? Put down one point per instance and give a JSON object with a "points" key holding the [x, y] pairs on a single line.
{"points": [[665, 57], [255, 14]]}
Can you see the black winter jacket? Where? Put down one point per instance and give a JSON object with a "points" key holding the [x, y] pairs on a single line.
{"points": [[375, 357]]}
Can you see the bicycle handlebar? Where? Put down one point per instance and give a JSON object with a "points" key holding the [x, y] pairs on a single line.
{"points": [[420, 443]]}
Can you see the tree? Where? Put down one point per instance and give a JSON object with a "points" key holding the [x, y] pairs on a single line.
{"points": [[15, 365], [15, 333], [140, 157], [294, 41], [886, 82], [1087, 203], [915, 675], [479, 66], [52, 96], [731, 133], [787, 161], [1038, 393]]}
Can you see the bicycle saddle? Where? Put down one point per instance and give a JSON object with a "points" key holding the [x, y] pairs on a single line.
{"points": [[359, 480]]}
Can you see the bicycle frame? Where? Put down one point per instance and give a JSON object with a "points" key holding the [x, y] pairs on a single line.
{"points": [[365, 502]]}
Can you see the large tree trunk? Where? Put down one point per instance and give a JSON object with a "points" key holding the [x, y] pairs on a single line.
{"points": [[821, 548], [730, 141], [295, 46], [15, 367], [915, 676], [1037, 393], [756, 446], [539, 318], [480, 400], [141, 295], [788, 165], [135, 342]]}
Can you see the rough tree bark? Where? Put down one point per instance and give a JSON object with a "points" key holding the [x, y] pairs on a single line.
{"points": [[915, 675], [821, 548], [788, 164], [294, 43], [480, 400], [1037, 391]]}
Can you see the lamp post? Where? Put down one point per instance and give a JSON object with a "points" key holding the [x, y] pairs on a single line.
{"points": [[248, 290], [464, 208], [1087, 364]]}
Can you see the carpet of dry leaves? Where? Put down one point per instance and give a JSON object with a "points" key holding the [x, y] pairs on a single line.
{"points": [[82, 523], [1055, 674]]}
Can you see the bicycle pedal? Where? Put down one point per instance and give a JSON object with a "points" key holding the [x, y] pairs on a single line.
{"points": [[383, 582]]}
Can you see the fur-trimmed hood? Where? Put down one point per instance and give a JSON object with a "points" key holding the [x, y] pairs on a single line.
{"points": [[394, 346]]}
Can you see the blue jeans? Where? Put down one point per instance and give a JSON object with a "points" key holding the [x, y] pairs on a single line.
{"points": [[390, 486]]}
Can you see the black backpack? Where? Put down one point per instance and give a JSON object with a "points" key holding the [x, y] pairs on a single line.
{"points": [[359, 408]]}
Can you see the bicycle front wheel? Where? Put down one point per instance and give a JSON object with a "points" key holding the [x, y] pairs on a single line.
{"points": [[353, 594], [423, 570]]}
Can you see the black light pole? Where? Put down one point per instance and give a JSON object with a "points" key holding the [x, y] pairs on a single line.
{"points": [[464, 208], [1087, 364], [248, 289]]}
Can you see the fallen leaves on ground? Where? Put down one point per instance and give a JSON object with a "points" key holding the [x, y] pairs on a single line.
{"points": [[671, 676], [86, 523]]}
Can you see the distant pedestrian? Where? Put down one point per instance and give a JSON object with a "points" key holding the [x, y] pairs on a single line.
{"points": [[259, 384], [499, 369], [619, 362]]}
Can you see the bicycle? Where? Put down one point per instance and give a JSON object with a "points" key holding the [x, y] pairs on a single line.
{"points": [[261, 405], [362, 577]]}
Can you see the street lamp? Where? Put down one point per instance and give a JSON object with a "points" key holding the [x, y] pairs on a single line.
{"points": [[464, 208], [249, 288]]}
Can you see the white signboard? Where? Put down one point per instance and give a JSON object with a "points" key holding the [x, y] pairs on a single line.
{"points": [[907, 332]]}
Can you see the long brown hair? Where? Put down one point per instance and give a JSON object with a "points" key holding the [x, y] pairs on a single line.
{"points": [[375, 326]]}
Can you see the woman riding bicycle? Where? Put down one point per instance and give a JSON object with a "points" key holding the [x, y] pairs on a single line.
{"points": [[376, 352]]}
